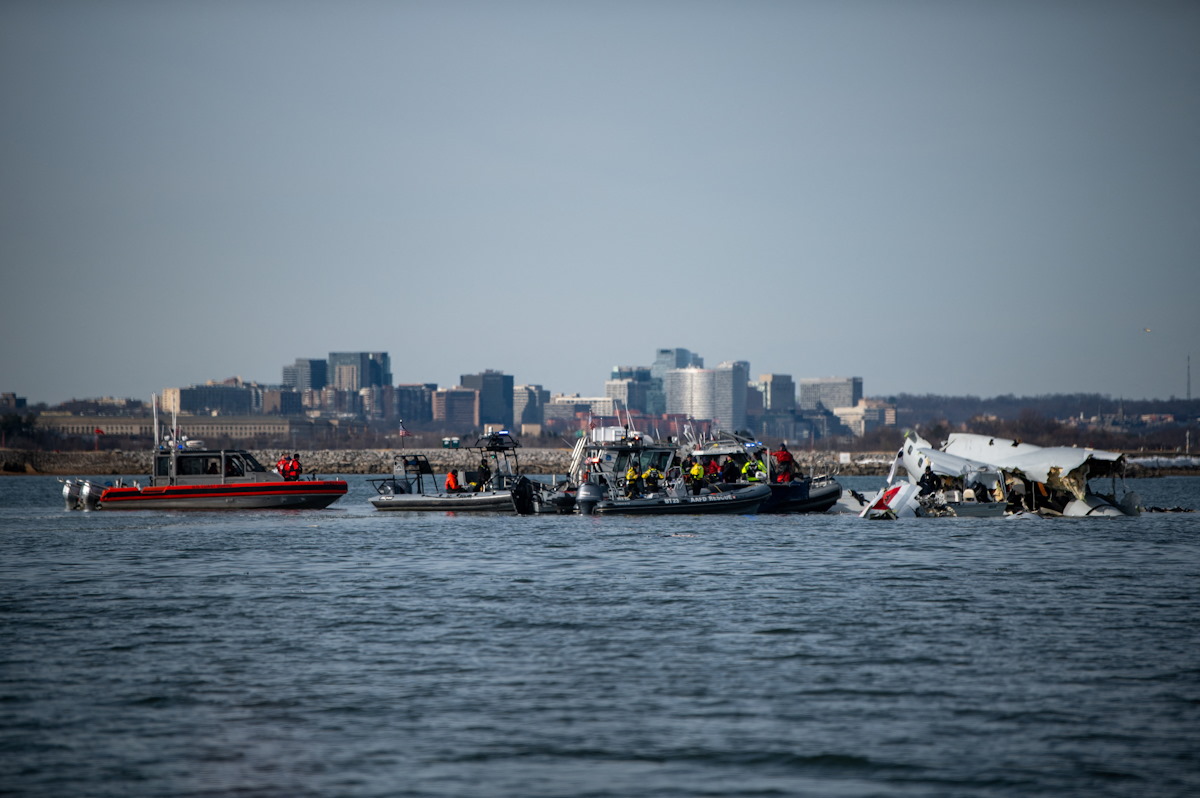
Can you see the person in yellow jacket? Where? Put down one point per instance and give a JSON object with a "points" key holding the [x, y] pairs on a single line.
{"points": [[752, 469], [651, 477], [697, 473], [631, 481]]}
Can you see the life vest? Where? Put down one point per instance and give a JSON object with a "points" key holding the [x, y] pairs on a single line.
{"points": [[291, 469], [452, 482], [697, 471]]}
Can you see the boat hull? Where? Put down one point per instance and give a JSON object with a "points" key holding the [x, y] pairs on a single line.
{"points": [[803, 496], [486, 501], [301, 495], [745, 501]]}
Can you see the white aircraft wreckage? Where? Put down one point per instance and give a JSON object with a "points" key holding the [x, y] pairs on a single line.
{"points": [[985, 476]]}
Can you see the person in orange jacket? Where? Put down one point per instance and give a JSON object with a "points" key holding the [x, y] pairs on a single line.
{"points": [[292, 469], [452, 485]]}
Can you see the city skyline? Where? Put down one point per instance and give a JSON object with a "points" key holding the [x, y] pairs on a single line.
{"points": [[518, 381], [946, 198]]}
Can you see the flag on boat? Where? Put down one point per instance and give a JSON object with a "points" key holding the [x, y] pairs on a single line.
{"points": [[97, 431]]}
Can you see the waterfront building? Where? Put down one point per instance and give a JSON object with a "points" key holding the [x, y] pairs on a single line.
{"points": [[495, 396], [213, 430], [72, 424]]}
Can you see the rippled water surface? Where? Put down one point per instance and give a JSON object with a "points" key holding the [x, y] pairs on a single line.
{"points": [[347, 652]]}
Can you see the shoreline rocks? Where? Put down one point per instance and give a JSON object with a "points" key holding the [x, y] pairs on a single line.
{"points": [[379, 461], [339, 461]]}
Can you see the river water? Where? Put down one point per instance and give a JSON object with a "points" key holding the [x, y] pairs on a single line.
{"points": [[349, 652]]}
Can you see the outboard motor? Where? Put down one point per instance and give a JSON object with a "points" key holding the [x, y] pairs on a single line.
{"points": [[588, 496], [522, 496], [89, 495], [70, 493]]}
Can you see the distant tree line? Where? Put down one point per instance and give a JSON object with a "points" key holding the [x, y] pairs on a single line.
{"points": [[1051, 420]]}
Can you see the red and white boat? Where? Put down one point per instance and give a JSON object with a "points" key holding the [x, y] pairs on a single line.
{"points": [[186, 478]]}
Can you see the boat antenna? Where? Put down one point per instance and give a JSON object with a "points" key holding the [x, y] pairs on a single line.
{"points": [[628, 416], [154, 412]]}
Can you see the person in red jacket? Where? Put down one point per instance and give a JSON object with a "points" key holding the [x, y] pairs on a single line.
{"points": [[785, 462], [452, 485], [292, 469]]}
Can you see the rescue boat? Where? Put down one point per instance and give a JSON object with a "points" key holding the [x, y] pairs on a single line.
{"points": [[603, 459], [191, 478]]}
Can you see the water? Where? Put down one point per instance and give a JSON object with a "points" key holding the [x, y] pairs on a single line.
{"points": [[347, 652]]}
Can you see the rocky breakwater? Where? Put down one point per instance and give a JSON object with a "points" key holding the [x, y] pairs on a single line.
{"points": [[321, 462], [13, 461], [380, 461]]}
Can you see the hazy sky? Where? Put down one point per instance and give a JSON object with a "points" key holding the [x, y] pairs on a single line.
{"points": [[944, 197]]}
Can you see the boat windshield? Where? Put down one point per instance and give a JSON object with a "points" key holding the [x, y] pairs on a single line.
{"points": [[642, 461], [251, 463]]}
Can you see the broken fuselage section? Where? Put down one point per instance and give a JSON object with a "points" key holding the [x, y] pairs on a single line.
{"points": [[981, 475]]}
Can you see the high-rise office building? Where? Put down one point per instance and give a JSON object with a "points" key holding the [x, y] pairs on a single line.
{"points": [[718, 395], [456, 409], [826, 393], [778, 392], [351, 371], [306, 374], [529, 403], [689, 392], [211, 399], [666, 360], [495, 396], [414, 403], [731, 380], [634, 387]]}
